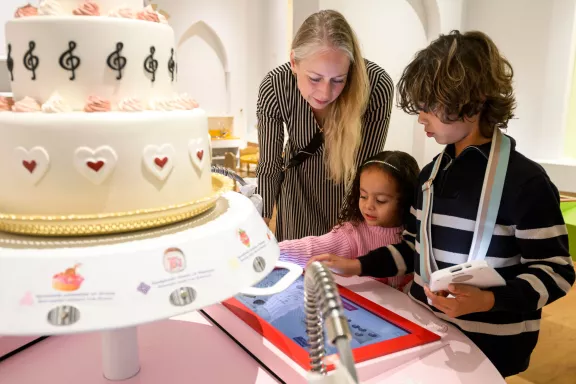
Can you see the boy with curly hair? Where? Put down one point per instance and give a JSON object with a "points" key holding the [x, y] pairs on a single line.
{"points": [[460, 87]]}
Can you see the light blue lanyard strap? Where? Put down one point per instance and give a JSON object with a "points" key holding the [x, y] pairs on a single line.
{"points": [[488, 208], [491, 196], [427, 260]]}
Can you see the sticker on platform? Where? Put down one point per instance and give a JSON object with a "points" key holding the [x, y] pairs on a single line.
{"points": [[27, 299], [174, 260], [270, 236], [244, 237], [67, 281], [234, 263], [143, 288]]}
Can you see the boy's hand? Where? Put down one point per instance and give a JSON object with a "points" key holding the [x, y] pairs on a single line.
{"points": [[467, 299], [339, 265]]}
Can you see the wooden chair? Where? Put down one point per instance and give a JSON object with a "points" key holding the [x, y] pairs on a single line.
{"points": [[249, 156]]}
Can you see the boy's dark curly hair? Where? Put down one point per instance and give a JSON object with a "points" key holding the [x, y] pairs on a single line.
{"points": [[458, 76], [401, 166]]}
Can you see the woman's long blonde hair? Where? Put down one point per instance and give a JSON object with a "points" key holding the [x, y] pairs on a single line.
{"points": [[329, 29]]}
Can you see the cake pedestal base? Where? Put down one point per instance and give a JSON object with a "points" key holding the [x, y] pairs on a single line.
{"points": [[120, 360]]}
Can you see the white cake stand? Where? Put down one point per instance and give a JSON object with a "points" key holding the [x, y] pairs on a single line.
{"points": [[130, 279]]}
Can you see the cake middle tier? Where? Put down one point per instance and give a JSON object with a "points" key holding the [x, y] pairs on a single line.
{"points": [[82, 56], [93, 163]]}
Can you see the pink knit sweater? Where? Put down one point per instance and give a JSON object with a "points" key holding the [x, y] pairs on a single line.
{"points": [[347, 241]]}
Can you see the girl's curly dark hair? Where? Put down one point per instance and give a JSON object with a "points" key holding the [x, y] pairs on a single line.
{"points": [[401, 166], [458, 76]]}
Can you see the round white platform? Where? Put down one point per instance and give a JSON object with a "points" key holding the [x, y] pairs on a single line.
{"points": [[134, 278]]}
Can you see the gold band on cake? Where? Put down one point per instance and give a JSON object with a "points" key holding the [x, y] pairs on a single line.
{"points": [[110, 223]]}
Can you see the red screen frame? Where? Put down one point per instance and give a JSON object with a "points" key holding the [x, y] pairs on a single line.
{"points": [[417, 335]]}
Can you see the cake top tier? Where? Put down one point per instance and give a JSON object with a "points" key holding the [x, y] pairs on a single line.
{"points": [[108, 53], [84, 7]]}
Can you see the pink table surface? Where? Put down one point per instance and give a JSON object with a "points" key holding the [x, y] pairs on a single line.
{"points": [[171, 352], [458, 362], [11, 343]]}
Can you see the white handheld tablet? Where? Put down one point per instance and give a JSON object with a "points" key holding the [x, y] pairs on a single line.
{"points": [[477, 273]]}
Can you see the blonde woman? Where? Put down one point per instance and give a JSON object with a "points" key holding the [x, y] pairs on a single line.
{"points": [[336, 108]]}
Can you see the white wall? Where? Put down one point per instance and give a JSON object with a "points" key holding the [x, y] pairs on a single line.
{"points": [[257, 68], [276, 50], [562, 172]]}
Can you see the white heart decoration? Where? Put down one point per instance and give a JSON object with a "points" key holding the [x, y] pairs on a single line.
{"points": [[197, 153], [95, 164], [159, 160], [34, 163]]}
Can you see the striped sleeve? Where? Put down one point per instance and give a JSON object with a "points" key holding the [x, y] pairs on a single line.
{"points": [[547, 269], [270, 142], [376, 119], [395, 259], [300, 251]]}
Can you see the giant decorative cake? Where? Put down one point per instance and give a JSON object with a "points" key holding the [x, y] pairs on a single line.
{"points": [[96, 138]]}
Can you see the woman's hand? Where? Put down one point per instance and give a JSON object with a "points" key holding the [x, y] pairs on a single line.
{"points": [[339, 265], [467, 299]]}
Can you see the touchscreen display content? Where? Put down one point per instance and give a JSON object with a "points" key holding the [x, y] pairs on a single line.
{"points": [[285, 312]]}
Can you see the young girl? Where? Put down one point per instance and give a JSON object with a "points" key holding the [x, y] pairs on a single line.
{"points": [[373, 214]]}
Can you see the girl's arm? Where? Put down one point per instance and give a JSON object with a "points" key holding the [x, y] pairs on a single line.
{"points": [[392, 260], [271, 144], [300, 251]]}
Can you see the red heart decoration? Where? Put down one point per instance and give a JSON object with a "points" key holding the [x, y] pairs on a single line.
{"points": [[95, 166], [200, 154], [29, 165], [161, 162]]}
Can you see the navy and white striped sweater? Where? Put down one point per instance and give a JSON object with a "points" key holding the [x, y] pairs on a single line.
{"points": [[529, 248]]}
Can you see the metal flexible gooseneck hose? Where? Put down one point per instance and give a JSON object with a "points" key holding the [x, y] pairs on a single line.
{"points": [[229, 173], [323, 306]]}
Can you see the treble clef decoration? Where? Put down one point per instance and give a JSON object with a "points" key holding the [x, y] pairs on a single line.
{"points": [[69, 61], [116, 61], [10, 62], [151, 64], [171, 64], [31, 61]]}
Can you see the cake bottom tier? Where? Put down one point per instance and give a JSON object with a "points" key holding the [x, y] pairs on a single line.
{"points": [[103, 163]]}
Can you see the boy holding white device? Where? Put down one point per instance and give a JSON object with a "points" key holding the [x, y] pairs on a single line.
{"points": [[480, 201]]}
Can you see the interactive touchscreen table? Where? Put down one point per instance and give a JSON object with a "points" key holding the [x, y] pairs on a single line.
{"points": [[280, 318]]}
